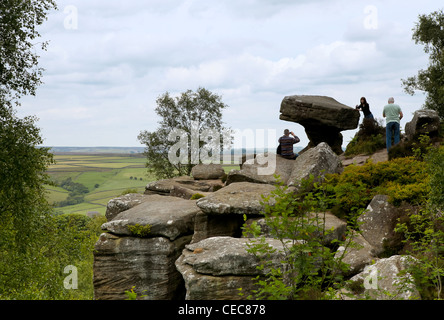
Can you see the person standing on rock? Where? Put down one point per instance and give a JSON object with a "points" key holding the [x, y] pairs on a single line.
{"points": [[365, 108], [393, 114], [286, 142]]}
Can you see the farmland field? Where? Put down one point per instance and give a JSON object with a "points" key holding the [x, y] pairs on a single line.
{"points": [[105, 177]]}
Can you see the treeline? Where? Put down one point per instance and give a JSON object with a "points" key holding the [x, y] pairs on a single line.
{"points": [[76, 194]]}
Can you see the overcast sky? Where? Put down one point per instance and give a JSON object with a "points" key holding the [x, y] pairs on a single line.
{"points": [[108, 61]]}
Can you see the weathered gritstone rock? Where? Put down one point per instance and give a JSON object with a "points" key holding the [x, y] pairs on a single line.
{"points": [[236, 198], [146, 263], [378, 221], [215, 268], [168, 217], [262, 169], [123, 260], [165, 186], [317, 161], [322, 117], [207, 171], [423, 122], [382, 281], [122, 203]]}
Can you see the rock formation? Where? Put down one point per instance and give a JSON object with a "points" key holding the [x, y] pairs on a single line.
{"points": [[322, 117], [171, 247], [423, 122]]}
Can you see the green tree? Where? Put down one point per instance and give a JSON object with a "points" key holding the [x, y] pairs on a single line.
{"points": [[19, 71], [192, 114], [429, 31]]}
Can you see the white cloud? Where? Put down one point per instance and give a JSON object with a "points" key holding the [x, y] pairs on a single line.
{"points": [[108, 73]]}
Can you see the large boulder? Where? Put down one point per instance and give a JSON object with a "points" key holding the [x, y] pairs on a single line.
{"points": [[207, 171], [167, 217], [423, 122], [237, 198], [216, 268], [223, 211], [146, 263], [122, 203], [328, 226], [377, 223], [383, 281], [357, 253], [317, 161], [166, 186], [262, 169], [322, 117], [125, 257]]}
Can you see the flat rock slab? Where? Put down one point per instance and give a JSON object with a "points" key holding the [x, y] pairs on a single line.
{"points": [[168, 217], [238, 198]]}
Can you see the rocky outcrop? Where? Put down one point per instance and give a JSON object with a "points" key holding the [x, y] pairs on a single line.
{"points": [[317, 161], [166, 186], [423, 122], [216, 268], [262, 169], [378, 222], [381, 281], [125, 257], [322, 117], [122, 203]]}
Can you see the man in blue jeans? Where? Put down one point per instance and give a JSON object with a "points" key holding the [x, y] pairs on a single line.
{"points": [[393, 114]]}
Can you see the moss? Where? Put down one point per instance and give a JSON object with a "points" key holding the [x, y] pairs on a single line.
{"points": [[138, 230], [196, 196]]}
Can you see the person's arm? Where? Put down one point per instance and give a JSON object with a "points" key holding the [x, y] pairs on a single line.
{"points": [[401, 115]]}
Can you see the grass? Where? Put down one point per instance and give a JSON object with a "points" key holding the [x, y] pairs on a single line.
{"points": [[106, 177]]}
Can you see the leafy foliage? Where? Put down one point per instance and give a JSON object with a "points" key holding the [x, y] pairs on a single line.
{"points": [[402, 179], [190, 112], [19, 71], [309, 268], [429, 31]]}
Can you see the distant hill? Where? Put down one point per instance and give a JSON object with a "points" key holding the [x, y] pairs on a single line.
{"points": [[92, 150], [132, 150]]}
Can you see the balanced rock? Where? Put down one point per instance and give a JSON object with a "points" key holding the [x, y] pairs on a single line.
{"points": [[423, 122], [322, 117]]}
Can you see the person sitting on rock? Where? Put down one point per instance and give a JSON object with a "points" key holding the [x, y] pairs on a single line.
{"points": [[286, 143], [365, 108]]}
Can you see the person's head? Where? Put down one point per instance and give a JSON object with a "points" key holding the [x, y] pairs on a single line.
{"points": [[391, 100], [363, 100], [286, 132]]}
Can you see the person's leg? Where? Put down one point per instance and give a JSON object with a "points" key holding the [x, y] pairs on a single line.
{"points": [[396, 132], [388, 133]]}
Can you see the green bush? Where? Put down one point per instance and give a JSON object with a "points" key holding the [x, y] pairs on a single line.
{"points": [[196, 196], [403, 179], [369, 138]]}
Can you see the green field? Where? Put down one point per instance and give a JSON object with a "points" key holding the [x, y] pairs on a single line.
{"points": [[105, 176]]}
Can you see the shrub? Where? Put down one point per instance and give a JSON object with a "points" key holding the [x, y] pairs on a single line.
{"points": [[403, 179], [369, 138]]}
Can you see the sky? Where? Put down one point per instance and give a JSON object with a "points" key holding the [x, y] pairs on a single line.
{"points": [[108, 61]]}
